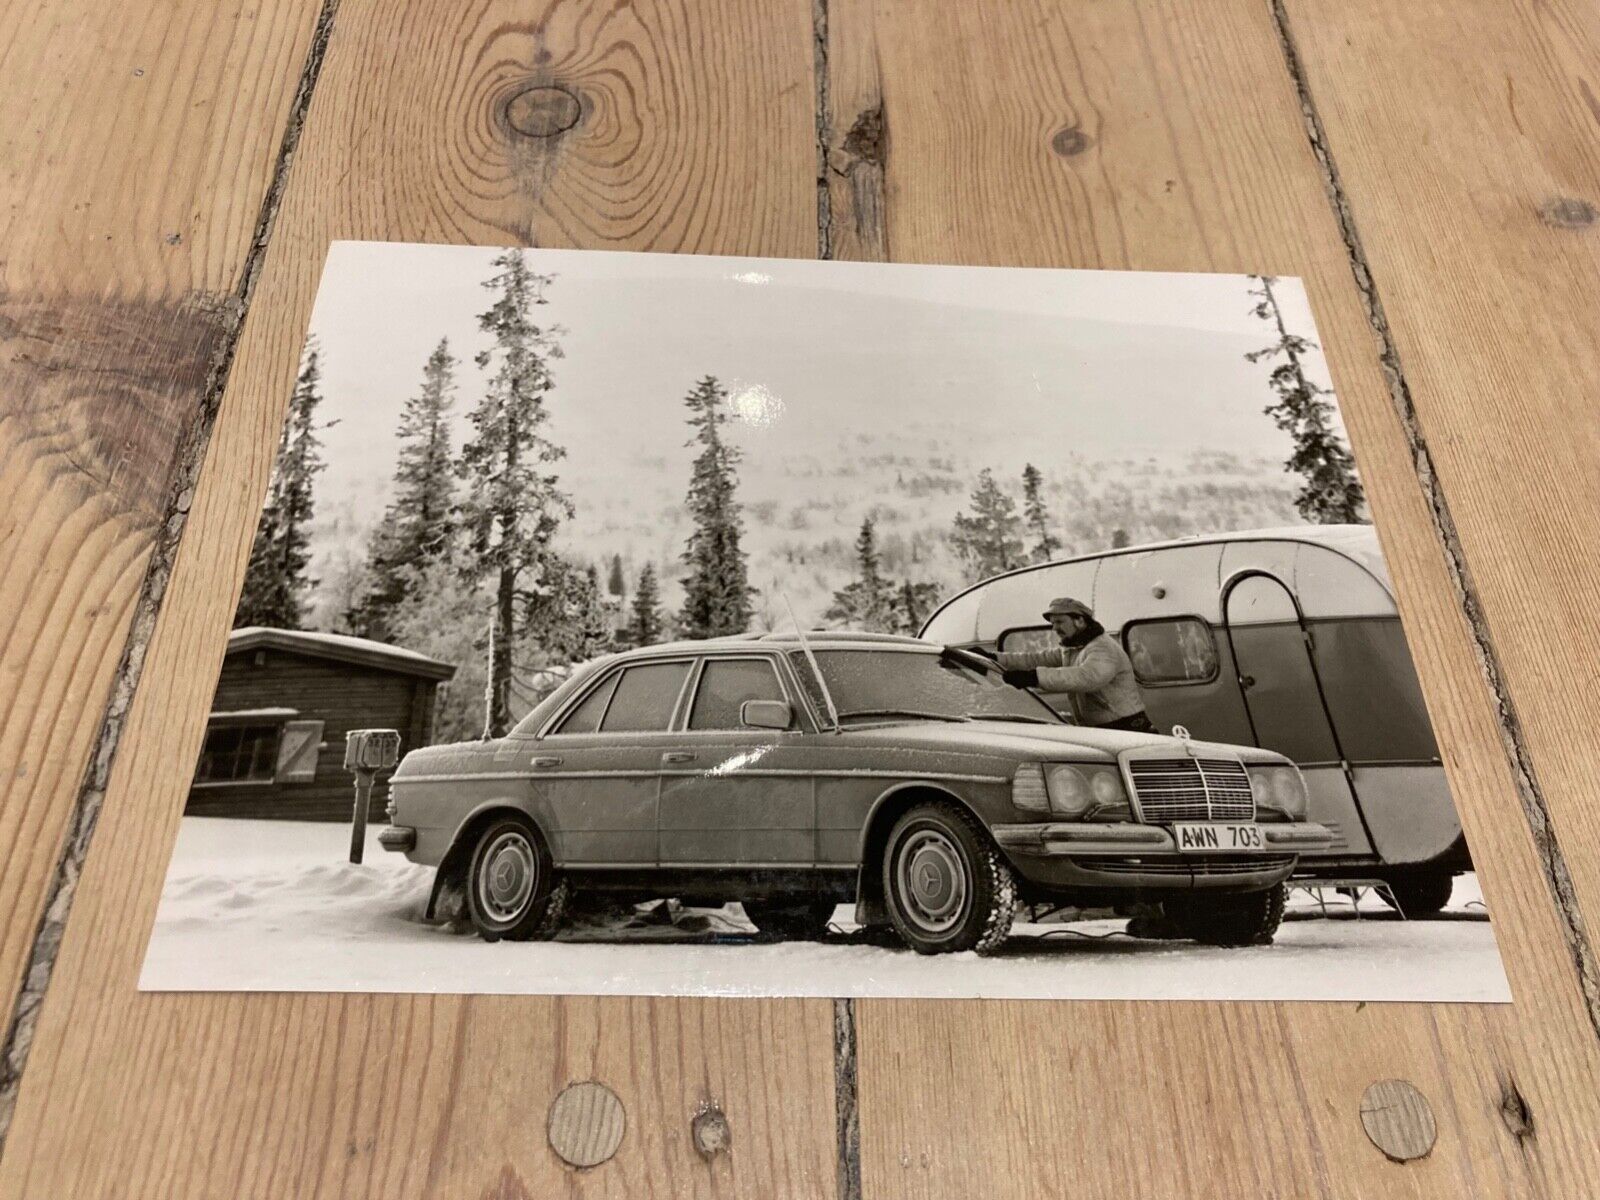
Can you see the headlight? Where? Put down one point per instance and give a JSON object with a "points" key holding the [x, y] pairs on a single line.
{"points": [[1070, 791], [1281, 789], [1085, 791]]}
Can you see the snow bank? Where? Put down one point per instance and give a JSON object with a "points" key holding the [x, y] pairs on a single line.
{"points": [[274, 906]]}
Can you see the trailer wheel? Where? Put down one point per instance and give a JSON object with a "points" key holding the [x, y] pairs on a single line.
{"points": [[512, 889], [792, 921], [1237, 919], [1419, 893]]}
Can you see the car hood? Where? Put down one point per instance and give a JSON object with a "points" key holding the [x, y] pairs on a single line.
{"points": [[1025, 740]]}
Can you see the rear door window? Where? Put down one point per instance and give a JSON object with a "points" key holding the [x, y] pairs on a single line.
{"points": [[645, 698], [585, 718], [725, 685]]}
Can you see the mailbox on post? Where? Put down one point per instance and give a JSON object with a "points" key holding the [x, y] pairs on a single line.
{"points": [[366, 752]]}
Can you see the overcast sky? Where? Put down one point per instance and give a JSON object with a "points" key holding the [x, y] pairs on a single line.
{"points": [[1000, 365]]}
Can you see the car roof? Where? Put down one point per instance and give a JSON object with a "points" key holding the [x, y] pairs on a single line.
{"points": [[822, 639]]}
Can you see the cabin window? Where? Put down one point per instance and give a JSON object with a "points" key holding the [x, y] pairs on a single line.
{"points": [[724, 687], [585, 718], [239, 754], [1175, 650], [645, 698]]}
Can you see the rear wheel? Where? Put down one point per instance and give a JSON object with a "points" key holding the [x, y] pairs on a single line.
{"points": [[948, 889], [793, 921], [512, 890], [1238, 919], [1419, 893]]}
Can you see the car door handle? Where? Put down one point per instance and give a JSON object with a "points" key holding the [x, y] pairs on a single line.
{"points": [[677, 756], [547, 760]]}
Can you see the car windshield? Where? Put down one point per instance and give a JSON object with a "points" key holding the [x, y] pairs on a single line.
{"points": [[897, 685]]}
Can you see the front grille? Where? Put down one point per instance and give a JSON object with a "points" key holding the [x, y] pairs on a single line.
{"points": [[1192, 789], [1195, 866]]}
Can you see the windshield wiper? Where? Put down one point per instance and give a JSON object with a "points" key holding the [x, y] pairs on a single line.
{"points": [[902, 712]]}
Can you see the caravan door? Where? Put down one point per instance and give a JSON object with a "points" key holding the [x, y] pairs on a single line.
{"points": [[1283, 696]]}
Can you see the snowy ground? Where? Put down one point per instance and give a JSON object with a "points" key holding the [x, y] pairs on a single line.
{"points": [[274, 906]]}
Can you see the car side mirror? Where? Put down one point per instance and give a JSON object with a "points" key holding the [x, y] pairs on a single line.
{"points": [[766, 714]]}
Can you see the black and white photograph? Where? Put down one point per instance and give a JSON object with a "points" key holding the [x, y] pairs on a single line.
{"points": [[665, 624]]}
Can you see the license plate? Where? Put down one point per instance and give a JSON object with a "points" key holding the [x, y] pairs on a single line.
{"points": [[1214, 838]]}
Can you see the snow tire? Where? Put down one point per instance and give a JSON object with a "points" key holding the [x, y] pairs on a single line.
{"points": [[947, 887]]}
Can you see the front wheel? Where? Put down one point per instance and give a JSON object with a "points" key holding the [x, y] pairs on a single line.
{"points": [[1239, 919], [947, 887], [512, 891]]}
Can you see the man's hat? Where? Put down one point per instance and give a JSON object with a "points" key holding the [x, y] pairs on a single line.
{"points": [[1066, 606]]}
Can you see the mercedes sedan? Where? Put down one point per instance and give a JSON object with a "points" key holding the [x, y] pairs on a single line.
{"points": [[794, 773]]}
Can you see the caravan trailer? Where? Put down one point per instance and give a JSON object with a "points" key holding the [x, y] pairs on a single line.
{"points": [[1287, 639]]}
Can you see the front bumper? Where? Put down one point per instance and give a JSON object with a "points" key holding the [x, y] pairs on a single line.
{"points": [[1141, 858], [1079, 839]]}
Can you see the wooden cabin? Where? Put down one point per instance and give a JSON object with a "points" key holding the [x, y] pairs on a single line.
{"points": [[274, 743]]}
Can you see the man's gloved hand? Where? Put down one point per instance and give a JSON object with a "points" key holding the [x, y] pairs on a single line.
{"points": [[1025, 677]]}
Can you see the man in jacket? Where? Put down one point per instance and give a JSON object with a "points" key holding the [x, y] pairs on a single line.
{"points": [[1088, 666]]}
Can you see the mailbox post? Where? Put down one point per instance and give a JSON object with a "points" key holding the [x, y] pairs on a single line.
{"points": [[366, 752]]}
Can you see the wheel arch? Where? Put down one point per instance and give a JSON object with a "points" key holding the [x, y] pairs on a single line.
{"points": [[452, 869], [889, 807]]}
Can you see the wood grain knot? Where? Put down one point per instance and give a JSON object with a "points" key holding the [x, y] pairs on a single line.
{"points": [[1070, 140], [587, 1122], [1515, 1111], [868, 139], [1566, 213], [711, 1133], [1398, 1119], [543, 111]]}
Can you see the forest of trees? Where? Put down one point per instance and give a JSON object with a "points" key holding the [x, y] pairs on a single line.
{"points": [[467, 564], [463, 565]]}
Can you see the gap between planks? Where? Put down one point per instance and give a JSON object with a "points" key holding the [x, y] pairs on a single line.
{"points": [[197, 434], [1513, 741]]}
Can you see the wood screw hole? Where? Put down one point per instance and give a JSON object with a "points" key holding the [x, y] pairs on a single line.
{"points": [[710, 1130]]}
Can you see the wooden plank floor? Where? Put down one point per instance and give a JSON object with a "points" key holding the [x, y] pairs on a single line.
{"points": [[1431, 170]]}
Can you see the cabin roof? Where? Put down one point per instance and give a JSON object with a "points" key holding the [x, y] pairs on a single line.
{"points": [[339, 647]]}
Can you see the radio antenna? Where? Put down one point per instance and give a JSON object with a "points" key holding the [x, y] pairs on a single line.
{"points": [[816, 669]]}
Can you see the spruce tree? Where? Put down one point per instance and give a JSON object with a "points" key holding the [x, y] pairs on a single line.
{"points": [[1045, 543], [867, 601], [646, 627], [1332, 493], [275, 582], [717, 591], [415, 528], [615, 584], [914, 604], [988, 539], [510, 507]]}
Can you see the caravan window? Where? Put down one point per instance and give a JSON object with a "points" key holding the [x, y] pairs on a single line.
{"points": [[1028, 639], [1172, 650]]}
